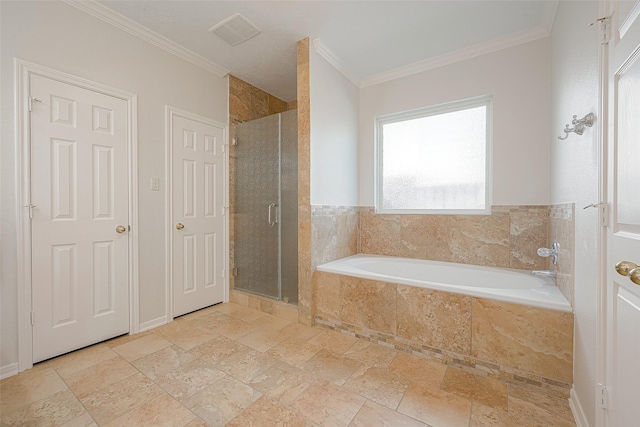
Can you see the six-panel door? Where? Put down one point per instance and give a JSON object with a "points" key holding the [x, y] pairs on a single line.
{"points": [[198, 214], [79, 178]]}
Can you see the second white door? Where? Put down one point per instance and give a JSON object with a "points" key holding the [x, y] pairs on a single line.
{"points": [[198, 171]]}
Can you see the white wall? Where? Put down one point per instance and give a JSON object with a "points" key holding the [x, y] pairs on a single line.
{"points": [[574, 173], [517, 78], [334, 134], [59, 36]]}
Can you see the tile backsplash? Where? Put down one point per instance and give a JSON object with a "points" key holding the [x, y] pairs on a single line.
{"points": [[507, 238]]}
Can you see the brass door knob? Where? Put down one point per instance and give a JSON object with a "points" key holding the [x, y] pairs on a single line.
{"points": [[179, 226], [624, 267], [634, 275], [120, 229]]}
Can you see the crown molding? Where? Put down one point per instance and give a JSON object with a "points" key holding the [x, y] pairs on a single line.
{"points": [[458, 55], [111, 17], [332, 59], [549, 13]]}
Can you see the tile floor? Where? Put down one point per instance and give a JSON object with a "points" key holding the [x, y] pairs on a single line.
{"points": [[231, 365]]}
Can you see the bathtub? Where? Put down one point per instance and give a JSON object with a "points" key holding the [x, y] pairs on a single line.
{"points": [[516, 286]]}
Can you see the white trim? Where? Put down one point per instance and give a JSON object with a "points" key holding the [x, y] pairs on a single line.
{"points": [[322, 50], [549, 12], [629, 20], [602, 285], [170, 113], [8, 370], [227, 204], [134, 279], [145, 326], [23, 178], [577, 411], [494, 45], [23, 70], [117, 20]]}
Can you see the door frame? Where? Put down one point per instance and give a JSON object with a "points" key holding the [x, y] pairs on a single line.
{"points": [[601, 374], [23, 71], [170, 113]]}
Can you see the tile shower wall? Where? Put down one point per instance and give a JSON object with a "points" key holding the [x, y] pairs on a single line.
{"points": [[561, 230], [508, 238], [246, 102], [305, 297]]}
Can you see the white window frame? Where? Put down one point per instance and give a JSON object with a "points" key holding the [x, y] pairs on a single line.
{"points": [[434, 110]]}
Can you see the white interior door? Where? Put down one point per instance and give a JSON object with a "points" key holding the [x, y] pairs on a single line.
{"points": [[623, 238], [79, 186], [198, 227]]}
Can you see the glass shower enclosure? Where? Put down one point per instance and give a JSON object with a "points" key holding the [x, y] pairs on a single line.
{"points": [[266, 206]]}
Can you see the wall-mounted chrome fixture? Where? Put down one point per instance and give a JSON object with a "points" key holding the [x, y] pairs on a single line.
{"points": [[553, 252], [578, 125]]}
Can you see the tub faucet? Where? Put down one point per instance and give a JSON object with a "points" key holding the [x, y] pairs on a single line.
{"points": [[544, 273], [553, 252]]}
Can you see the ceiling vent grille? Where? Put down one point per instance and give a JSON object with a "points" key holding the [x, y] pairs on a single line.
{"points": [[235, 29]]}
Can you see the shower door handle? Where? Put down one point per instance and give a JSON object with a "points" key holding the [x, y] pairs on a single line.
{"points": [[272, 222]]}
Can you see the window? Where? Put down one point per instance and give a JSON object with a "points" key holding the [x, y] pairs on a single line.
{"points": [[435, 159]]}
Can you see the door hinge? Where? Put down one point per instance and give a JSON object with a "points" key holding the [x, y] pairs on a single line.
{"points": [[33, 319], [603, 211], [234, 141], [603, 396], [605, 29], [30, 101], [30, 207], [234, 272]]}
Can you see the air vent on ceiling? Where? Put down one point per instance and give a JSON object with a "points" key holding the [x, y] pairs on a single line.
{"points": [[235, 29]]}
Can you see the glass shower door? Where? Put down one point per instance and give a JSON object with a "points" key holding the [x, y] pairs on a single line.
{"points": [[257, 201]]}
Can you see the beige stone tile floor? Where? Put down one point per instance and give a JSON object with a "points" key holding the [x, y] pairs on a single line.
{"points": [[232, 365]]}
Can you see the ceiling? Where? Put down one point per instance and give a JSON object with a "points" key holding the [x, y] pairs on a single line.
{"points": [[366, 40]]}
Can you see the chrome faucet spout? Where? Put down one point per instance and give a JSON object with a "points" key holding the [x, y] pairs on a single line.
{"points": [[544, 273]]}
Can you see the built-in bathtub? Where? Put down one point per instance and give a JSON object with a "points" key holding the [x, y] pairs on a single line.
{"points": [[503, 323], [517, 286]]}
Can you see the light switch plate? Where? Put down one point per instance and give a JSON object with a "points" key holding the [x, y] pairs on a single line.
{"points": [[155, 183]]}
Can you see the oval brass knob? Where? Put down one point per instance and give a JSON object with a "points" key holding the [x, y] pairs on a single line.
{"points": [[624, 267], [120, 229], [179, 226], [634, 275]]}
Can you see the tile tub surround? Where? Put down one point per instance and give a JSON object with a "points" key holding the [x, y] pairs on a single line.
{"points": [[334, 233], [562, 230], [507, 238], [511, 342]]}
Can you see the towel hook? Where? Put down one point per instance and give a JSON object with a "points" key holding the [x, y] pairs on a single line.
{"points": [[578, 125]]}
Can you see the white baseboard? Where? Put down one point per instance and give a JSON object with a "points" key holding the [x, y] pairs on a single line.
{"points": [[8, 370], [576, 409], [153, 323]]}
